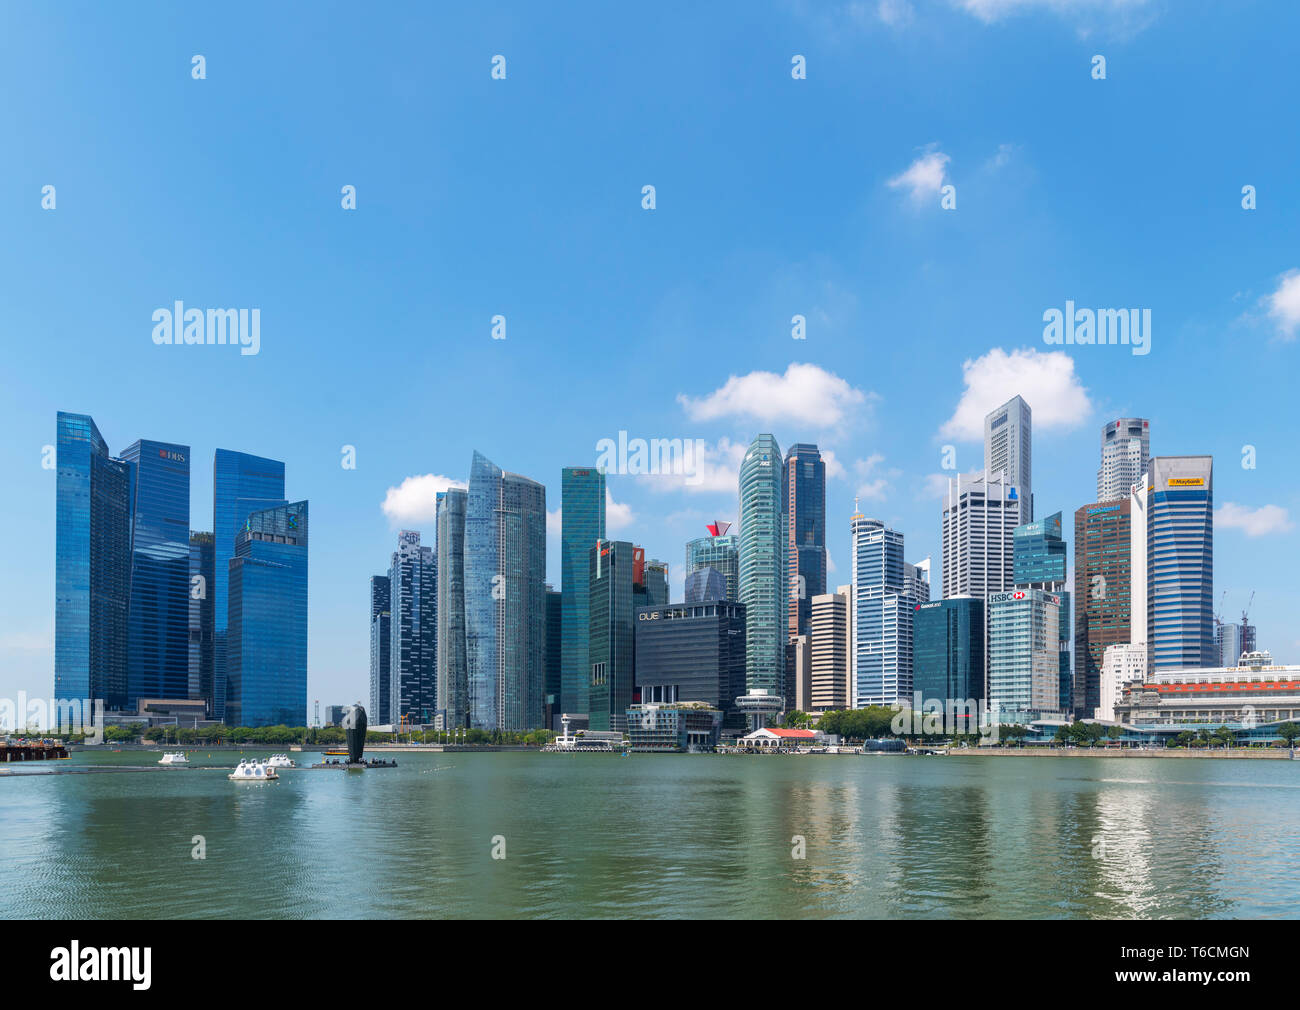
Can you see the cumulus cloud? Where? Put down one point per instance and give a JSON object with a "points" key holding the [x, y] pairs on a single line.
{"points": [[416, 498], [805, 395], [1047, 381], [834, 468], [934, 487], [873, 479], [1284, 304], [554, 522], [1253, 522], [617, 517], [924, 177], [716, 469]]}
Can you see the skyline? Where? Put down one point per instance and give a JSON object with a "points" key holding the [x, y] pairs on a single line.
{"points": [[375, 328]]}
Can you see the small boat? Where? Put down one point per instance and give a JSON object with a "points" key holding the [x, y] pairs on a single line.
{"points": [[175, 757], [280, 761], [252, 771]]}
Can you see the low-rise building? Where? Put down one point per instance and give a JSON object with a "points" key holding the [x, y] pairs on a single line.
{"points": [[673, 728]]}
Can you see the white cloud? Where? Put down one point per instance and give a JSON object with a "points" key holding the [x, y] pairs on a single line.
{"points": [[1003, 156], [1253, 522], [934, 487], [805, 394], [1047, 381], [554, 521], [1284, 304], [416, 498], [924, 177], [990, 11], [716, 471], [874, 481], [617, 517], [895, 13], [834, 468]]}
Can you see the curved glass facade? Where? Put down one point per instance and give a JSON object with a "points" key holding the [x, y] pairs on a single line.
{"points": [[453, 679], [762, 564], [721, 553]]}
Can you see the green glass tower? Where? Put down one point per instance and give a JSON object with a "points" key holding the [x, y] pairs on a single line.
{"points": [[762, 564], [582, 520]]}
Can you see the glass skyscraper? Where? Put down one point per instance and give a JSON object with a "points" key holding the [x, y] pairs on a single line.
{"points": [[883, 605], [1039, 554], [1180, 563], [948, 652], [1102, 598], [505, 598], [721, 553], [267, 631], [158, 617], [554, 647], [582, 522], [453, 677], [762, 564], [805, 509], [613, 627], [241, 485], [704, 585], [200, 618], [413, 673], [1024, 653], [381, 647], [91, 565]]}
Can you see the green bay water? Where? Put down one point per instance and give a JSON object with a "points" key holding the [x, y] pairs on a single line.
{"points": [[656, 835]]}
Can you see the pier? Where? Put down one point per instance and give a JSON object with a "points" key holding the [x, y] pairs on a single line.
{"points": [[34, 750]]}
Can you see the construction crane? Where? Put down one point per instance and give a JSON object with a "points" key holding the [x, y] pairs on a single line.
{"points": [[1245, 612], [1218, 614]]}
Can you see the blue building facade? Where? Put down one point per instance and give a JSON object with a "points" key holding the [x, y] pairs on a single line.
{"points": [[381, 647], [722, 553], [612, 636], [201, 618], [763, 539], [948, 651], [413, 655], [453, 675], [267, 620], [1180, 563], [582, 523], [805, 510]]}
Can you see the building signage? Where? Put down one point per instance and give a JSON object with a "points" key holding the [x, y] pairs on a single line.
{"points": [[1186, 482], [1107, 508]]}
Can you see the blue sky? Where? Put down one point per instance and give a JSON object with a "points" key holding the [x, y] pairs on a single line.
{"points": [[522, 197]]}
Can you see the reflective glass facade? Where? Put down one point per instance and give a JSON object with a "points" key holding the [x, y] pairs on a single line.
{"points": [[158, 617], [883, 612], [92, 565], [1038, 553], [453, 677], [582, 523], [762, 564], [704, 585], [1180, 563], [381, 633], [554, 648], [948, 651], [1102, 597], [805, 509], [691, 652], [267, 627], [1024, 652], [200, 655], [722, 553], [613, 627], [413, 674], [241, 484]]}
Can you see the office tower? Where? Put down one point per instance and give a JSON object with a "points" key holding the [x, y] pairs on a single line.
{"points": [[1232, 640], [916, 580], [883, 611], [1024, 653], [202, 561], [266, 646], [452, 688], [656, 583], [1008, 450], [413, 656], [582, 523], [554, 649], [721, 551], [979, 519], [505, 602], [1103, 610], [158, 615], [762, 564], [1038, 554], [612, 632], [1121, 664], [1180, 563], [1125, 452], [1139, 521], [805, 511], [692, 653], [91, 565], [381, 648], [798, 673], [948, 656], [705, 585], [241, 485], [830, 651]]}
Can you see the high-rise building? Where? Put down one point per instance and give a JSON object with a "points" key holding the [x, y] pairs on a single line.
{"points": [[916, 580], [381, 648], [1180, 563], [1232, 640], [692, 652], [883, 607], [505, 598], [721, 552], [1103, 600], [241, 485], [832, 637], [705, 585], [452, 688], [655, 580], [554, 648], [762, 564], [1024, 653], [91, 565], [1040, 563], [413, 656], [798, 673], [979, 519], [267, 620], [158, 616], [202, 561], [612, 636], [1125, 453], [582, 523], [948, 654], [1008, 450], [1121, 664], [1139, 521], [805, 511]]}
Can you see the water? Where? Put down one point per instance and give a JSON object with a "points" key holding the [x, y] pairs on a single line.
{"points": [[657, 835]]}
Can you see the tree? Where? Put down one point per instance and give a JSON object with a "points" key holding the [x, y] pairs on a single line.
{"points": [[1288, 731]]}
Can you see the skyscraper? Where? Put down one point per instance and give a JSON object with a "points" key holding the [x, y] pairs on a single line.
{"points": [[762, 564], [805, 509], [1040, 563], [883, 607], [721, 552], [705, 585], [413, 584], [948, 653], [832, 639], [201, 618], [979, 519], [381, 647], [158, 616], [582, 523], [554, 645], [1008, 450], [91, 565], [1180, 563], [453, 671], [613, 629], [505, 605], [1103, 610], [656, 583], [1024, 652], [267, 619], [1125, 452], [241, 485]]}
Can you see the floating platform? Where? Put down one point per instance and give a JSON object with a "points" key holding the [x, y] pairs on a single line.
{"points": [[33, 752], [358, 766]]}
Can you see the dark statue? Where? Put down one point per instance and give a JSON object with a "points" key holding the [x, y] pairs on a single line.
{"points": [[354, 727]]}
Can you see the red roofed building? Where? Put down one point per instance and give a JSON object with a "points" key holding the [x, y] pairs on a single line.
{"points": [[781, 739]]}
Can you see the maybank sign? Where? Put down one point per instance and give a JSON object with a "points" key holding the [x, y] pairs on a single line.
{"points": [[1186, 482], [1107, 508]]}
